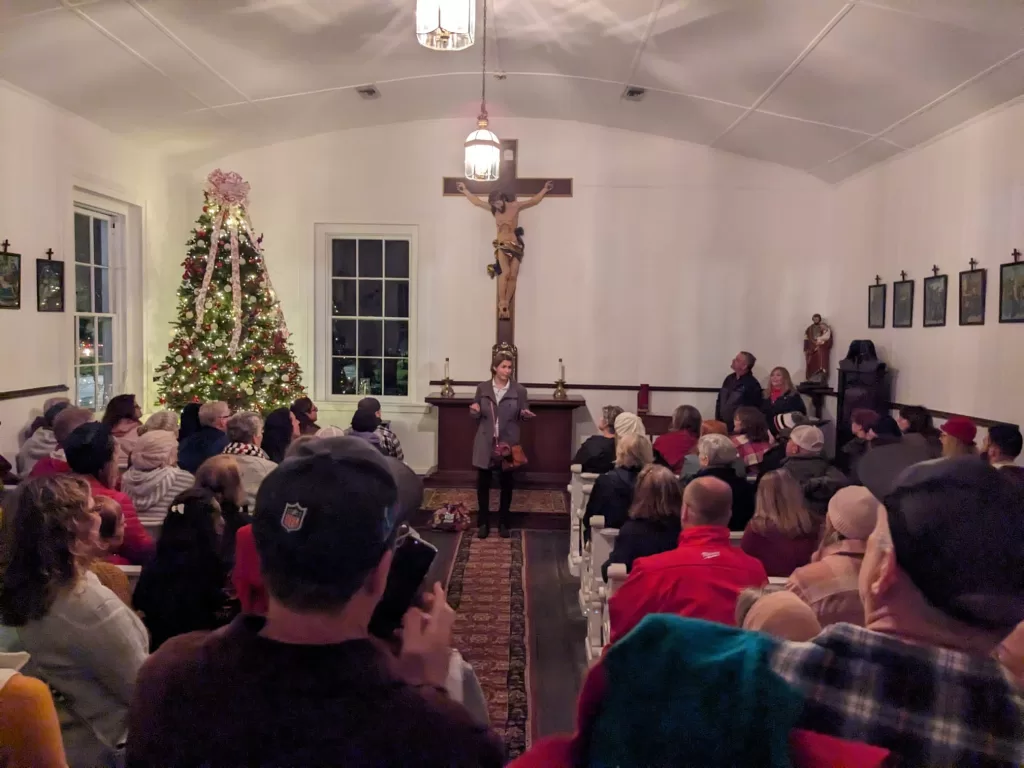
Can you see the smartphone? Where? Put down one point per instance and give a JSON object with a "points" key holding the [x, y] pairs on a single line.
{"points": [[412, 560]]}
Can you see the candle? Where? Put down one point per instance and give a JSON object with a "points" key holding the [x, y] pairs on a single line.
{"points": [[446, 367], [561, 369]]}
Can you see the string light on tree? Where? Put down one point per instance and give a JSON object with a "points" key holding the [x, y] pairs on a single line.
{"points": [[219, 329]]}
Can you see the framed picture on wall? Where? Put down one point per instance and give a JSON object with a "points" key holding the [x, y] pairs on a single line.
{"points": [[935, 291], [10, 280], [876, 306], [972, 297], [49, 285], [1011, 292], [903, 304]]}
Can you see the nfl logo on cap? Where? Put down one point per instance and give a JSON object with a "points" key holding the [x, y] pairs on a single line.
{"points": [[293, 517]]}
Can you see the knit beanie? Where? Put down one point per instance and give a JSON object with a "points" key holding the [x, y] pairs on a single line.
{"points": [[627, 423], [155, 449], [853, 511]]}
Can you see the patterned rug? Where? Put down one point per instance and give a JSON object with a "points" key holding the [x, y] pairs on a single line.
{"points": [[548, 502], [486, 588]]}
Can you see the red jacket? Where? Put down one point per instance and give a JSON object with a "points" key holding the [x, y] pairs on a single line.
{"points": [[49, 466], [674, 447], [701, 578], [245, 576], [138, 547]]}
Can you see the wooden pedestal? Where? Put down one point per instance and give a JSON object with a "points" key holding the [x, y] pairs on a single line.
{"points": [[547, 440]]}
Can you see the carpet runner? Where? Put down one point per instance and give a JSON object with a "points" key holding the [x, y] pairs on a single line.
{"points": [[487, 590], [528, 500]]}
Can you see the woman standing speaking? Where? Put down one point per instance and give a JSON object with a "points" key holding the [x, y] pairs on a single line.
{"points": [[499, 405]]}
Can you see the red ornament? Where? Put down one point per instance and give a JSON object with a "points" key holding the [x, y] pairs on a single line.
{"points": [[207, 327], [201, 232], [219, 381], [213, 367]]}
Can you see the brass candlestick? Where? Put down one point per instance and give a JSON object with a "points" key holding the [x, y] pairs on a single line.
{"points": [[447, 390], [560, 393]]}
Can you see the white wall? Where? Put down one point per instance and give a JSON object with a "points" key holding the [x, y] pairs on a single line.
{"points": [[669, 259], [44, 154], [958, 198]]}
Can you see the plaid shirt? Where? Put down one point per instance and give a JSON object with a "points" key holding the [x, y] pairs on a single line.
{"points": [[928, 706], [389, 442], [751, 454], [829, 585]]}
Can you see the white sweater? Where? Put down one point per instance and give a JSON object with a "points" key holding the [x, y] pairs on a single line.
{"points": [[89, 647], [152, 491]]}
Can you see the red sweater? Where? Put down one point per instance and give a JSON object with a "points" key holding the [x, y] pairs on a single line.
{"points": [[138, 547], [779, 554], [674, 447], [701, 578], [49, 466], [245, 576]]}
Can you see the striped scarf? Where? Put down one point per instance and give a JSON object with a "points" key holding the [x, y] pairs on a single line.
{"points": [[245, 449]]}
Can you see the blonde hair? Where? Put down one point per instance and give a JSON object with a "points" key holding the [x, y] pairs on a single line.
{"points": [[161, 421], [713, 427], [220, 475], [787, 380], [657, 495], [633, 451], [780, 505]]}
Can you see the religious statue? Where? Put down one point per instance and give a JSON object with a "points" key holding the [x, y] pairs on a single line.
{"points": [[508, 245], [817, 346]]}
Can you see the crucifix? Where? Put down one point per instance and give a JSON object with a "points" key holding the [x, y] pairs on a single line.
{"points": [[935, 271], [49, 254], [878, 279], [1016, 255], [5, 245], [973, 263], [501, 200], [903, 275]]}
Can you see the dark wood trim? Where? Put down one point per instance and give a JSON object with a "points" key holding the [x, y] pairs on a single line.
{"points": [[15, 394], [978, 420], [591, 387]]}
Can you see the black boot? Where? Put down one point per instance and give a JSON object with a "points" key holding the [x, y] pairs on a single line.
{"points": [[483, 531], [503, 531]]}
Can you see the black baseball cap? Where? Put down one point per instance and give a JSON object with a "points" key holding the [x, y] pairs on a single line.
{"points": [[330, 511], [957, 530]]}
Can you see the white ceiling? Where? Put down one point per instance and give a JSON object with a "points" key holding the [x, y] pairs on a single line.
{"points": [[825, 86]]}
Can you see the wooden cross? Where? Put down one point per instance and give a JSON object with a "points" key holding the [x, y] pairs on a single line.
{"points": [[935, 271], [973, 263], [5, 245], [878, 280], [510, 183], [903, 275], [49, 254], [1016, 255]]}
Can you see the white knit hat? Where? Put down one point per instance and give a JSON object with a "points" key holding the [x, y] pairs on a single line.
{"points": [[627, 423]]}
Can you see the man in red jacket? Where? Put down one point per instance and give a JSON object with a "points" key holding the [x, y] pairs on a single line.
{"points": [[700, 578]]}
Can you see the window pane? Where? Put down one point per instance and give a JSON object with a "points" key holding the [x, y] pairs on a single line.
{"points": [[371, 258], [104, 385], [396, 258], [396, 377], [87, 388], [343, 298], [83, 288], [101, 289], [86, 340], [343, 376], [343, 258], [105, 340], [396, 338], [396, 298], [370, 377], [83, 250], [371, 338], [100, 243], [343, 337], [370, 298]]}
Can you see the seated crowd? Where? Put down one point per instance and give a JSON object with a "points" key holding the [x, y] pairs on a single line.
{"points": [[897, 638]]}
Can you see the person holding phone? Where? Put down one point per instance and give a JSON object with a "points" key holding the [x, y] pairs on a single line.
{"points": [[499, 405]]}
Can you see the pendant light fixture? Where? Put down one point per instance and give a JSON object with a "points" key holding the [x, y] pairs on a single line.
{"points": [[446, 25], [483, 150]]}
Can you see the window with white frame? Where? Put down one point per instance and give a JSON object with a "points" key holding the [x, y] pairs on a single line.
{"points": [[369, 314], [97, 357]]}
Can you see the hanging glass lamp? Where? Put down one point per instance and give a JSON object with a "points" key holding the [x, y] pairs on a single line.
{"points": [[483, 153], [446, 25]]}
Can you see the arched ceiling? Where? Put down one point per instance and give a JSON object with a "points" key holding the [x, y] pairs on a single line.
{"points": [[825, 86]]}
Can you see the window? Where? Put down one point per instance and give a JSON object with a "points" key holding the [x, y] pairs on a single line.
{"points": [[95, 309], [369, 316]]}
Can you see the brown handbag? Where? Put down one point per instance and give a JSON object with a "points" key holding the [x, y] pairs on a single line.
{"points": [[504, 456]]}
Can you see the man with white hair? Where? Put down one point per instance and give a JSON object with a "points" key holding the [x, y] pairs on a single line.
{"points": [[804, 460], [245, 431], [700, 578], [718, 456], [208, 440]]}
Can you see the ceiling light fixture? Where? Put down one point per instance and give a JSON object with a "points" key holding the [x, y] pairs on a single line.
{"points": [[446, 25], [483, 150]]}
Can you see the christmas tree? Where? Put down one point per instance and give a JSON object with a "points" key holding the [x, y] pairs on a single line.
{"points": [[230, 340]]}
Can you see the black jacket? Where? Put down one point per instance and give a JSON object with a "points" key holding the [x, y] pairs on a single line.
{"points": [[597, 454], [642, 538], [818, 479], [737, 391], [199, 446], [788, 403], [611, 499], [742, 494]]}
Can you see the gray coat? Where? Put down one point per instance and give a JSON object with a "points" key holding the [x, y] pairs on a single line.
{"points": [[508, 410]]}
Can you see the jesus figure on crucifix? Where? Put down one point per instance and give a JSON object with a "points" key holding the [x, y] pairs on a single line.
{"points": [[508, 245]]}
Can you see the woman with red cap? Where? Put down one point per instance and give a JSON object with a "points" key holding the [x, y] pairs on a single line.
{"points": [[957, 437]]}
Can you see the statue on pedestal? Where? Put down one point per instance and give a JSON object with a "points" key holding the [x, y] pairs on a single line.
{"points": [[817, 347]]}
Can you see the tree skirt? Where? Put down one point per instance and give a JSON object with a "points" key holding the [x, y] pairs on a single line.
{"points": [[549, 502], [486, 588]]}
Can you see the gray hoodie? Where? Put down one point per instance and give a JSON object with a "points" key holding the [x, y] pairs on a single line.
{"points": [[41, 444], [153, 490]]}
